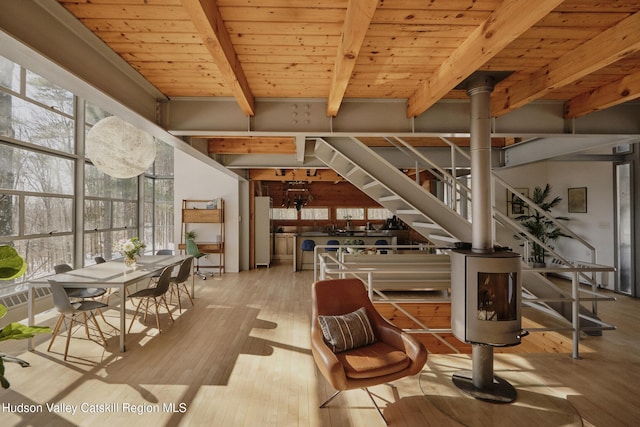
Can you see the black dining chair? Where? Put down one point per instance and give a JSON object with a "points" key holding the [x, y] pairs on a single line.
{"points": [[157, 293], [179, 281]]}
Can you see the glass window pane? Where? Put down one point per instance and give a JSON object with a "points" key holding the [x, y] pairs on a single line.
{"points": [[47, 215], [99, 184], [97, 215], [93, 114], [26, 170], [349, 213], [9, 75], [41, 126], [104, 244], [314, 213], [41, 254], [163, 166], [378, 213], [125, 214], [283, 213], [45, 92], [9, 211]]}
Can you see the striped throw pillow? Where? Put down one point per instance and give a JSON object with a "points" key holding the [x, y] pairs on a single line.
{"points": [[347, 331]]}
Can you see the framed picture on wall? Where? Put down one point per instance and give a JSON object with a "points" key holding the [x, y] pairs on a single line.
{"points": [[577, 200], [515, 205]]}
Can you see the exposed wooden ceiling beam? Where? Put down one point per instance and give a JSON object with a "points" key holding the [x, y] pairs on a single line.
{"points": [[506, 23], [252, 145], [211, 28], [356, 23], [618, 92], [602, 50]]}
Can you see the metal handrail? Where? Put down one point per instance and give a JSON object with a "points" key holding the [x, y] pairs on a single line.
{"points": [[575, 298]]}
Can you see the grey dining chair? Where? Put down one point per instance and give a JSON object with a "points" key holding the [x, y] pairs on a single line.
{"points": [[157, 293], [179, 281], [71, 310], [81, 293]]}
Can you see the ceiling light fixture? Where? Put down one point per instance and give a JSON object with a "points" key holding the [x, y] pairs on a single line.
{"points": [[120, 149]]}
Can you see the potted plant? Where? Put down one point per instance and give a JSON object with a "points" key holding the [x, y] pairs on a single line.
{"points": [[13, 266], [541, 227]]}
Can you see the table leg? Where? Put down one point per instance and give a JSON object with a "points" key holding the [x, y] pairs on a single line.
{"points": [[123, 311]]}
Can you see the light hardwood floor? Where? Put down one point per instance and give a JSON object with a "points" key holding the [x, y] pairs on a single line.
{"points": [[241, 357]]}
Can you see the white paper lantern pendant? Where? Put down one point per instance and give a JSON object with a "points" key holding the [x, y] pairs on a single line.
{"points": [[120, 149]]}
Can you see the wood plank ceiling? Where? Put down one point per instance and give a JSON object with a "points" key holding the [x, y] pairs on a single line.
{"points": [[585, 53]]}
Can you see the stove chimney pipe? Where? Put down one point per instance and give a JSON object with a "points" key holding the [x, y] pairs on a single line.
{"points": [[479, 90]]}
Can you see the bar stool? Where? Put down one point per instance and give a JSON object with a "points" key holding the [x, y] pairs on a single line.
{"points": [[308, 245], [332, 242], [382, 242]]}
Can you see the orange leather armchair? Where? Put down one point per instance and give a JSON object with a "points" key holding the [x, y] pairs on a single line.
{"points": [[394, 355]]}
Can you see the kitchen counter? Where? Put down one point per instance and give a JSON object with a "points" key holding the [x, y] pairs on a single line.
{"points": [[321, 238], [347, 234]]}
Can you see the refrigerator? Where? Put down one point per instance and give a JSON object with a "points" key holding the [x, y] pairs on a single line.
{"points": [[262, 229]]}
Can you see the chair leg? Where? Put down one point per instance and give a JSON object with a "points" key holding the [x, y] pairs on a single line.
{"points": [[86, 324], [376, 405], [187, 292], [56, 330], [101, 314], [175, 289], [134, 315], [157, 314], [326, 402], [95, 322], [146, 310], [69, 331], [167, 307]]}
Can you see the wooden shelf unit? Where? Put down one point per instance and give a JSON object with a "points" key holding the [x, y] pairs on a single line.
{"points": [[196, 212]]}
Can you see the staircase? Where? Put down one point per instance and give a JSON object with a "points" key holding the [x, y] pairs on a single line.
{"points": [[384, 183], [441, 223]]}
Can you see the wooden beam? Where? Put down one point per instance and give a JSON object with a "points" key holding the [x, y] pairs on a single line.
{"points": [[356, 23], [252, 145], [614, 93], [505, 24], [602, 50], [208, 22]]}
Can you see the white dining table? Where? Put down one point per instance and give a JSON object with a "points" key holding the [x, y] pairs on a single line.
{"points": [[111, 274]]}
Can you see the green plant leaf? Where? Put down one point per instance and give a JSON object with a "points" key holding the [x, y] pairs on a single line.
{"points": [[18, 331], [11, 264], [3, 311]]}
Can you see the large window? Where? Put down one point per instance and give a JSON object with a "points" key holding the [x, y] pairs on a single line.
{"points": [[110, 212], [158, 194], [39, 182], [37, 169]]}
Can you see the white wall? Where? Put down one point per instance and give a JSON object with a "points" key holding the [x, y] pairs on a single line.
{"points": [[596, 226], [194, 179]]}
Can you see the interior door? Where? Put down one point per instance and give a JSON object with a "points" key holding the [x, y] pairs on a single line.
{"points": [[624, 229]]}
